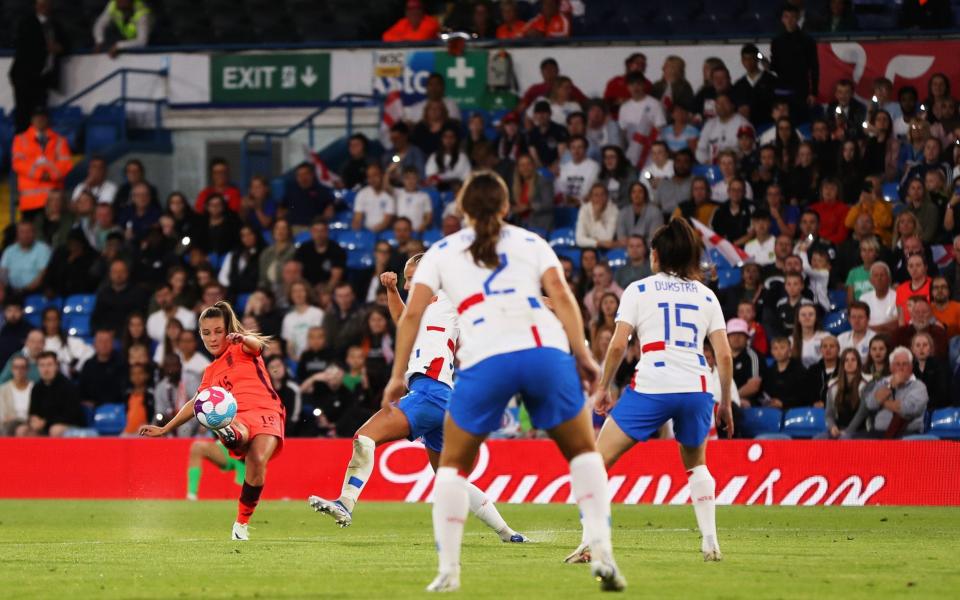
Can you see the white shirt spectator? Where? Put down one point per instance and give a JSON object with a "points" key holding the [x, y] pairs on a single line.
{"points": [[810, 350], [882, 310], [104, 193], [374, 206], [295, 327], [71, 353], [761, 252], [458, 171], [14, 404], [414, 112], [558, 112], [157, 322], [664, 172], [769, 136], [193, 372], [718, 135], [576, 178], [718, 191], [414, 206], [591, 230], [845, 340], [638, 119]]}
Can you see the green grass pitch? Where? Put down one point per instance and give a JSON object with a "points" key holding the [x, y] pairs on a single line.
{"points": [[125, 549]]}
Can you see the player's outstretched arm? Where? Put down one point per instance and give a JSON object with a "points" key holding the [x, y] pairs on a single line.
{"points": [[183, 415], [251, 343], [724, 358], [407, 329], [565, 307], [394, 301]]}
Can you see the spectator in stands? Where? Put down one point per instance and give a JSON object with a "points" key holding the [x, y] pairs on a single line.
{"points": [[845, 410], [766, 174], [550, 23], [877, 364], [925, 14], [71, 350], [809, 236], [139, 399], [831, 212], [727, 161], [167, 309], [918, 203], [860, 334], [353, 172], [746, 364], [731, 219], [324, 262], [375, 205], [140, 216], [882, 147], [720, 132], [239, 272], [220, 186], [870, 203], [911, 152], [448, 167], [170, 395], [821, 372], [549, 71], [344, 319], [680, 134], [531, 195], [846, 115], [601, 130], [54, 402], [930, 369], [918, 284], [15, 399], [753, 93], [929, 161], [852, 260], [41, 159], [39, 43], [23, 264], [719, 83], [793, 56], [117, 299], [944, 310], [784, 381], [219, 232], [617, 174], [193, 362], [562, 104], [187, 223], [511, 25], [807, 335], [638, 262], [123, 25], [803, 177], [415, 26], [673, 89], [920, 319], [616, 93], [55, 222], [436, 89], [403, 154], [134, 173], [659, 165], [168, 345], [301, 317], [578, 175], [414, 204], [938, 89], [749, 289], [897, 402], [305, 200], [699, 206], [603, 283], [674, 191], [640, 118], [511, 143], [14, 331], [597, 220], [32, 347], [288, 391], [882, 300], [427, 132], [782, 309], [546, 139], [96, 182], [135, 331], [760, 248], [746, 310], [640, 218]]}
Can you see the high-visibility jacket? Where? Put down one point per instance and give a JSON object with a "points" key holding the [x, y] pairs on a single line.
{"points": [[127, 28], [39, 168]]}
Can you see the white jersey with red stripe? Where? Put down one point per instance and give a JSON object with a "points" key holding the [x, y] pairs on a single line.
{"points": [[436, 342], [671, 317], [499, 310]]}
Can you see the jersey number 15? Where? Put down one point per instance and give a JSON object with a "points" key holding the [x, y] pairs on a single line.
{"points": [[679, 324]]}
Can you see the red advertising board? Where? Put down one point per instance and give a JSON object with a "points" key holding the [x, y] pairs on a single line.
{"points": [[902, 62], [747, 472]]}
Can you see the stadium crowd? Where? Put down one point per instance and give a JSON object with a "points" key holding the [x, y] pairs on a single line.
{"points": [[832, 231]]}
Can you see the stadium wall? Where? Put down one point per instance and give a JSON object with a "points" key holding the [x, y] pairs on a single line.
{"points": [[747, 472]]}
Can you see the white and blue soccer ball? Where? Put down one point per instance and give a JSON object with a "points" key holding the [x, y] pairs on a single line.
{"points": [[215, 407]]}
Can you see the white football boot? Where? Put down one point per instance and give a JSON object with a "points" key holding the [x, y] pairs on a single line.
{"points": [[336, 509], [240, 533], [445, 582]]}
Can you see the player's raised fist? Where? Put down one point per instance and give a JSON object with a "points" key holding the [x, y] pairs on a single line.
{"points": [[389, 280]]}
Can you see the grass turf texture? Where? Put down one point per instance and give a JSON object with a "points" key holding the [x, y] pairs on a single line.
{"points": [[168, 550]]}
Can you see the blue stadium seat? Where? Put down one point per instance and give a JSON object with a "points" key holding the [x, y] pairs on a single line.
{"points": [[565, 216], [241, 303], [77, 324], [35, 304], [301, 238], [359, 259], [758, 421], [278, 186], [68, 122], [616, 258], [563, 237], [727, 278], [545, 173], [110, 419], [838, 299], [945, 423], [572, 253], [79, 303], [891, 191], [387, 236], [104, 127], [711, 172], [346, 197], [342, 220], [353, 240], [88, 414], [431, 236], [215, 260], [539, 231], [836, 322], [804, 422]]}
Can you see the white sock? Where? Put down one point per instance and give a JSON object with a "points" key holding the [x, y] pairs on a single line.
{"points": [[358, 471], [588, 480], [702, 494], [450, 505], [486, 511]]}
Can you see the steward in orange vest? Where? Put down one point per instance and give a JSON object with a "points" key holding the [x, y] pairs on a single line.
{"points": [[41, 160]]}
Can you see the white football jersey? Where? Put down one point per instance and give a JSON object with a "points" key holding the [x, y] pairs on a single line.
{"points": [[671, 318], [499, 310], [436, 342]]}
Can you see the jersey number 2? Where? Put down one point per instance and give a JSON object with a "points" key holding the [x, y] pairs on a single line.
{"points": [[679, 323], [486, 284]]}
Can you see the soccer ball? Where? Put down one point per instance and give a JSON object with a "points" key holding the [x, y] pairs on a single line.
{"points": [[215, 407]]}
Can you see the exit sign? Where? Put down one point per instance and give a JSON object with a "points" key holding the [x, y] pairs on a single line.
{"points": [[271, 78]]}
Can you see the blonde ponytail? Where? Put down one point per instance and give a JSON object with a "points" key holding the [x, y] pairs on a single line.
{"points": [[223, 310]]}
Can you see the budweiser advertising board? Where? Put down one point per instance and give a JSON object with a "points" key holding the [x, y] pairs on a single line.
{"points": [[747, 472]]}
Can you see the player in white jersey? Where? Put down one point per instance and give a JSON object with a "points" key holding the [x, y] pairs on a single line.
{"points": [[672, 313], [510, 343], [419, 414]]}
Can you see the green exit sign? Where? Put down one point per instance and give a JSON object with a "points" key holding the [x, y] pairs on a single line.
{"points": [[280, 78]]}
